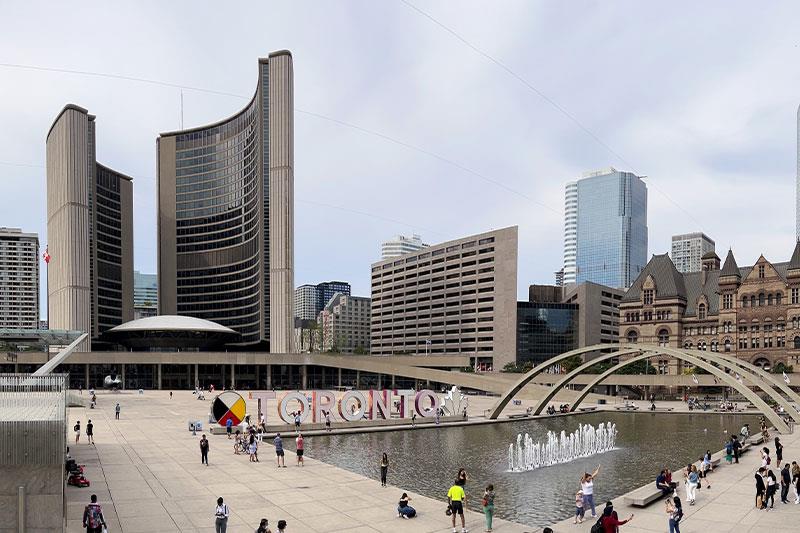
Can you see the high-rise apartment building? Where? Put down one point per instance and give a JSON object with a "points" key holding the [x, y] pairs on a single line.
{"points": [[306, 302], [145, 295], [401, 245], [19, 279], [345, 324], [458, 297], [309, 300], [605, 228], [559, 277], [89, 231], [226, 215], [689, 249]]}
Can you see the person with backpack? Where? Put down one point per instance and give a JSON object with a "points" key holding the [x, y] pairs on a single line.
{"points": [[93, 519], [221, 514], [675, 513], [609, 521]]}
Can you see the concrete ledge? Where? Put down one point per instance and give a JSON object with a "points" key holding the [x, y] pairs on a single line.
{"points": [[319, 428]]}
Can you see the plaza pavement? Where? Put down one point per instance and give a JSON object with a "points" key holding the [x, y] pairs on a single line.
{"points": [[145, 469], [728, 506]]}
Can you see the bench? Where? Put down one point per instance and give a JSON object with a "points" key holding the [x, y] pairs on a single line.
{"points": [[626, 408], [519, 415], [644, 496], [586, 409]]}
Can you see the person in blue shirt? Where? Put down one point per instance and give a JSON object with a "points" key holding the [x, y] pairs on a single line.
{"points": [[229, 427], [278, 442], [662, 484]]}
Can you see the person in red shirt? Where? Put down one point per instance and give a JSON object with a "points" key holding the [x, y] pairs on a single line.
{"points": [[610, 520]]}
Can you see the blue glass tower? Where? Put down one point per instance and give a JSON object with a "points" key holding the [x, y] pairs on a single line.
{"points": [[606, 229]]}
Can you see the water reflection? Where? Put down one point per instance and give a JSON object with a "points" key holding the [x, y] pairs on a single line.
{"points": [[426, 461]]}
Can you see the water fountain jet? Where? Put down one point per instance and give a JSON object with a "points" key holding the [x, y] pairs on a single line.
{"points": [[557, 449]]}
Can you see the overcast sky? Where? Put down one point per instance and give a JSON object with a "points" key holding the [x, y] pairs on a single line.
{"points": [[700, 97]]}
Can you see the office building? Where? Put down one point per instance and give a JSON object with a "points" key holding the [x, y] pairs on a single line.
{"points": [[226, 216], [598, 313], [19, 279], [89, 231], [401, 245], [145, 295], [605, 228], [345, 322], [310, 300], [689, 249], [751, 312], [458, 297], [544, 330], [559, 277]]}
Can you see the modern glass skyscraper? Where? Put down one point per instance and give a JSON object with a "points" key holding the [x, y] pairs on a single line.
{"points": [[226, 215], [605, 228]]}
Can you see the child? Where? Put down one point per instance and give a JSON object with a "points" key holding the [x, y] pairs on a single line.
{"points": [[579, 507]]}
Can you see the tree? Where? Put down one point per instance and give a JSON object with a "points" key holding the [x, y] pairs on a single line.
{"points": [[639, 367], [781, 367], [360, 350], [571, 363]]}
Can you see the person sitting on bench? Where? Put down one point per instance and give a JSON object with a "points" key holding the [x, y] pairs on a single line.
{"points": [[663, 485]]}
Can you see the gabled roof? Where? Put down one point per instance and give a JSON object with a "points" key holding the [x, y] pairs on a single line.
{"points": [[669, 282], [794, 262], [730, 268]]}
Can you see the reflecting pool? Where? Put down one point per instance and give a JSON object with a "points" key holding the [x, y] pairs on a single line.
{"points": [[426, 460]]}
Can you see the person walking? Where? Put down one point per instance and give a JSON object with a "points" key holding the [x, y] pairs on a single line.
{"points": [[170, 395], [456, 500], [328, 421], [263, 526], [77, 429], [737, 446], [93, 519], [587, 486], [692, 481], [488, 505], [90, 431], [384, 468], [299, 447], [675, 513], [278, 443], [221, 514], [229, 427], [778, 451], [253, 449], [729, 451], [204, 450], [116, 411], [786, 482]]}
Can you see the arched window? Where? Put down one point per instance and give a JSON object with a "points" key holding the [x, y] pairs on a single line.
{"points": [[753, 300], [633, 337], [701, 345], [797, 343], [727, 345], [663, 337], [701, 311], [714, 346], [761, 299], [687, 345], [744, 301], [778, 298]]}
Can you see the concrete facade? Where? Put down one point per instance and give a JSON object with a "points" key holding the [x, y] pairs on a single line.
{"points": [[457, 297], [19, 279], [90, 231], [226, 215], [306, 302], [598, 312], [689, 249], [346, 324]]}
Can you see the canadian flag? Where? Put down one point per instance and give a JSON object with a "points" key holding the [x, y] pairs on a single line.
{"points": [[46, 255]]}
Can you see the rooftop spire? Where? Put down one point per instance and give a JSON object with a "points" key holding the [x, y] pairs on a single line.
{"points": [[730, 268]]}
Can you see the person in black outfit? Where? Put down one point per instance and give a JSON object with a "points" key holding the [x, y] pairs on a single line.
{"points": [[204, 450], [786, 482], [760, 488], [778, 451], [772, 486], [737, 446]]}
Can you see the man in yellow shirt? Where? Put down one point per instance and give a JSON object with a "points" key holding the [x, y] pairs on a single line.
{"points": [[457, 499]]}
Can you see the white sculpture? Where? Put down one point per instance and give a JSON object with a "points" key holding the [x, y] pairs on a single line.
{"points": [[454, 402]]}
